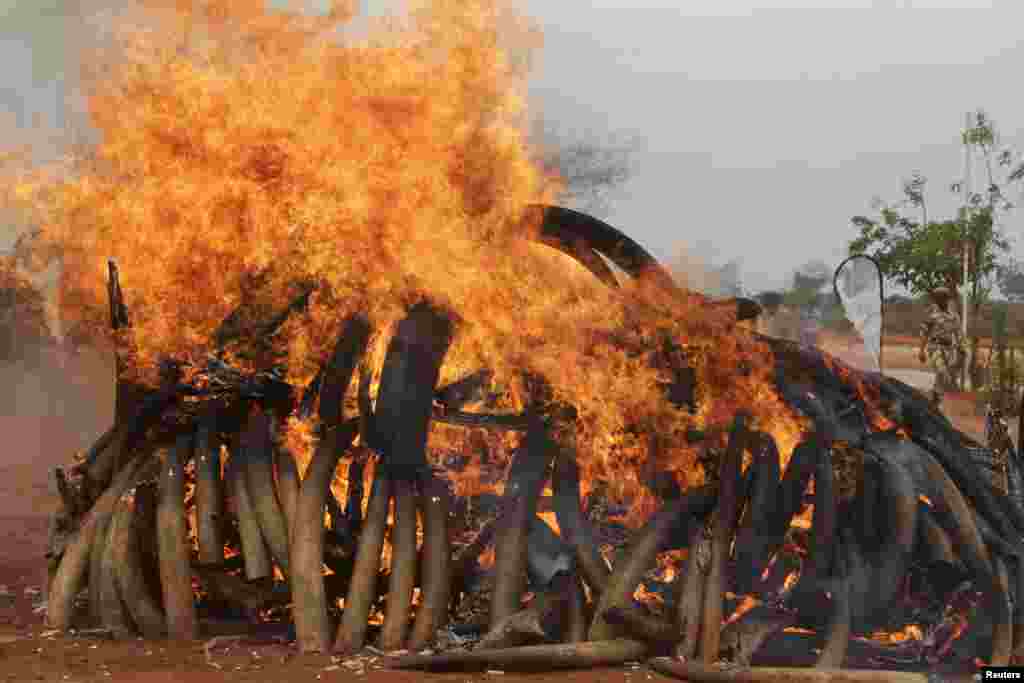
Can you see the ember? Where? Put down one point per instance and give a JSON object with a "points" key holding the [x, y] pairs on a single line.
{"points": [[364, 360]]}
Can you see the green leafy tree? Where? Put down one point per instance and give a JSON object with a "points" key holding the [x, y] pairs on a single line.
{"points": [[922, 254]]}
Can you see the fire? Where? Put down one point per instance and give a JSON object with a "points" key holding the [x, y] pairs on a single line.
{"points": [[910, 632], [748, 603], [242, 152]]}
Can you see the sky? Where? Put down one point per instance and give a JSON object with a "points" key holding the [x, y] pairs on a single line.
{"points": [[758, 128]]}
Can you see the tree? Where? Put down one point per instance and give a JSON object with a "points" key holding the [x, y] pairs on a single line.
{"points": [[922, 254]]}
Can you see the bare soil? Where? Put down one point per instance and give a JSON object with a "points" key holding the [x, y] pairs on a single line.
{"points": [[39, 433]]}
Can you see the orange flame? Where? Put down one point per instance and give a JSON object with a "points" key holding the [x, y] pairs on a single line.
{"points": [[242, 151]]}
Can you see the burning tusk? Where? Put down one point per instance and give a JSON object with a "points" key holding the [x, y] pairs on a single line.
{"points": [[724, 527], [403, 567], [351, 635], [309, 610], [751, 555], [288, 484], [575, 528], [436, 583], [641, 556], [526, 478], [209, 491]]}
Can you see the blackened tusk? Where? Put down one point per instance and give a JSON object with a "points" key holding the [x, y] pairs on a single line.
{"points": [[823, 521], [536, 621], [175, 572], [209, 491], [531, 657], [765, 470], [641, 556], [527, 474], [406, 394], [722, 534], [575, 528], [435, 584]]}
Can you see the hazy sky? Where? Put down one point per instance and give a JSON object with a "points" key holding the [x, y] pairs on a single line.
{"points": [[761, 127]]}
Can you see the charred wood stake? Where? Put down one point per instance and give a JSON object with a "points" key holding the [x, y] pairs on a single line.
{"points": [[575, 527], [288, 483], [258, 446], [527, 474], [690, 603], [175, 573], [309, 611], [351, 634], [703, 673], [435, 582], [209, 491], [531, 657], [724, 528], [70, 574], [643, 551], [751, 555], [254, 548], [403, 567], [406, 395], [135, 508]]}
